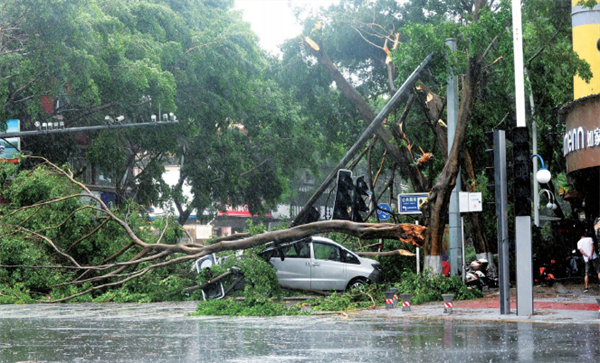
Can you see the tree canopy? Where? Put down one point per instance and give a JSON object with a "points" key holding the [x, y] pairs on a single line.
{"points": [[241, 136], [249, 121]]}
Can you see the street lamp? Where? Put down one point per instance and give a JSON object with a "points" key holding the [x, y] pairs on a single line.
{"points": [[543, 175], [551, 199]]}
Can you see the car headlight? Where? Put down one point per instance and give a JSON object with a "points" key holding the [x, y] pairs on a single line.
{"points": [[377, 267]]}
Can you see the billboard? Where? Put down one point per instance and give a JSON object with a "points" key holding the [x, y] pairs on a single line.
{"points": [[10, 147]]}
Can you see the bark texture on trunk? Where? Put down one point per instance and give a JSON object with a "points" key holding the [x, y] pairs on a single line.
{"points": [[439, 197], [433, 264]]}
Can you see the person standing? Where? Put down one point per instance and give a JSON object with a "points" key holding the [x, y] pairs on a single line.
{"points": [[586, 246]]}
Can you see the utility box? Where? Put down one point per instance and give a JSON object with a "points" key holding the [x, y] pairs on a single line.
{"points": [[470, 202]]}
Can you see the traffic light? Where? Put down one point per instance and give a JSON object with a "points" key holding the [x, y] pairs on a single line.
{"points": [[358, 203], [349, 202], [521, 172], [343, 195], [490, 170]]}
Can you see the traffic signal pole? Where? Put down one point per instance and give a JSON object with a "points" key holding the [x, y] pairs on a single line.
{"points": [[501, 196], [83, 128], [522, 192], [454, 220]]}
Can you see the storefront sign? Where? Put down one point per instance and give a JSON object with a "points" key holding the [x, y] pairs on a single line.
{"points": [[581, 140]]}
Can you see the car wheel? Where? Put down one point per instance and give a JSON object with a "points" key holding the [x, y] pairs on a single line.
{"points": [[356, 283]]}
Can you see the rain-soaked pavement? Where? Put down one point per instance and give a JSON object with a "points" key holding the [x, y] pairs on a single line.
{"points": [[164, 333]]}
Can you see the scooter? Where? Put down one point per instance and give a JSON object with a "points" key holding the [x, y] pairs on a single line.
{"points": [[472, 280], [575, 264], [475, 275], [543, 276], [481, 270]]}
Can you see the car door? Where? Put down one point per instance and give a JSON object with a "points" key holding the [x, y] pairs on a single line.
{"points": [[294, 271], [327, 271]]}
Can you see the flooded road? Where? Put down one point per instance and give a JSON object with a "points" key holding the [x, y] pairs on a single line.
{"points": [[162, 333]]}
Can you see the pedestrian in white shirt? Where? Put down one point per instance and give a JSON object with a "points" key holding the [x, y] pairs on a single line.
{"points": [[586, 246]]}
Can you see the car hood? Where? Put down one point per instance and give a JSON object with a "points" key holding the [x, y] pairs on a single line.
{"points": [[368, 261]]}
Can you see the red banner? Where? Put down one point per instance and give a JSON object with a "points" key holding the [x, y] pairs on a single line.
{"points": [[239, 211]]}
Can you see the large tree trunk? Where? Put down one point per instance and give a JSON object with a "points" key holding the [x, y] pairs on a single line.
{"points": [[439, 197]]}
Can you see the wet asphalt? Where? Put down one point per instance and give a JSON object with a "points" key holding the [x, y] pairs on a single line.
{"points": [[163, 332]]}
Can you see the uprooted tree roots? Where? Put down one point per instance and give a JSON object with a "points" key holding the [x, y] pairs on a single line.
{"points": [[144, 254]]}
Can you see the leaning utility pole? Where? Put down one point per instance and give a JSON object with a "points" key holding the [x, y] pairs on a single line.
{"points": [[402, 91]]}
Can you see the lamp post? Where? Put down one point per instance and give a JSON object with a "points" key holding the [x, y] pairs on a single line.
{"points": [[543, 175], [551, 199]]}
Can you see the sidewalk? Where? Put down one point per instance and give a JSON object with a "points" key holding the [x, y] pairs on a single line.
{"points": [[560, 304]]}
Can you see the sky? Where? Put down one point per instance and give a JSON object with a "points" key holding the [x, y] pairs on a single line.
{"points": [[273, 20]]}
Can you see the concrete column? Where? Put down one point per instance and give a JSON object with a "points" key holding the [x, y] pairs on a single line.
{"points": [[524, 266]]}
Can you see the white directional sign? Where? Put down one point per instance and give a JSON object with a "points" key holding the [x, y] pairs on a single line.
{"points": [[409, 203]]}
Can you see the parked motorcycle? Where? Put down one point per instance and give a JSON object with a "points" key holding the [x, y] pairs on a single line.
{"points": [[575, 264], [542, 276], [542, 273], [477, 275]]}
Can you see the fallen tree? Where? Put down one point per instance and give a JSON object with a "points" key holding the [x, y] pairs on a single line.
{"points": [[86, 225]]}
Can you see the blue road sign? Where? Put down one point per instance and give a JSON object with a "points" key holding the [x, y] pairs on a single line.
{"points": [[409, 203], [382, 214]]}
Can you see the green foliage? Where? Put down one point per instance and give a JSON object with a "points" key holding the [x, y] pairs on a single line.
{"points": [[195, 58], [62, 225], [255, 229], [426, 287], [360, 298], [16, 294], [231, 307], [262, 292], [262, 285], [588, 3], [470, 253]]}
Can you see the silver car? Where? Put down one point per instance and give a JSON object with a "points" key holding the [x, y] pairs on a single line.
{"points": [[318, 263]]}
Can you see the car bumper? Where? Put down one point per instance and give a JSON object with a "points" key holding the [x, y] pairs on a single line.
{"points": [[376, 276]]}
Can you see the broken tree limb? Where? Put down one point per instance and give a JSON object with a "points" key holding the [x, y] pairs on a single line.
{"points": [[387, 253], [216, 279], [406, 233], [373, 126], [138, 257]]}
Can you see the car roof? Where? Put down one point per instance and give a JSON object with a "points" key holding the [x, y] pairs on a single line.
{"points": [[271, 245], [327, 240]]}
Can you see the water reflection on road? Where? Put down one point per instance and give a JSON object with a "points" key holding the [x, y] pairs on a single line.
{"points": [[159, 333]]}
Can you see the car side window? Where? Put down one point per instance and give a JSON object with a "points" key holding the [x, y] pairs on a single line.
{"points": [[325, 251], [350, 258], [299, 250]]}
